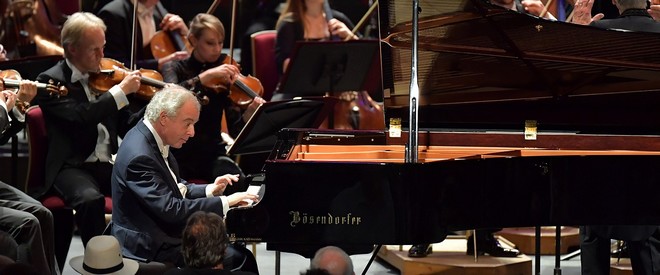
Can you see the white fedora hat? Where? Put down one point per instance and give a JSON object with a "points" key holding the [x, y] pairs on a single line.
{"points": [[103, 256]]}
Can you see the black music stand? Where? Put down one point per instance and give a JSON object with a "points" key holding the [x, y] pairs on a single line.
{"points": [[260, 133], [317, 68]]}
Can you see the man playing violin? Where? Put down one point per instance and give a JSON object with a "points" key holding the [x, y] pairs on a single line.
{"points": [[84, 126], [29, 223], [152, 16], [204, 156]]}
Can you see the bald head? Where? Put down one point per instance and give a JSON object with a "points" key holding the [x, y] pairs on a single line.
{"points": [[334, 260]]}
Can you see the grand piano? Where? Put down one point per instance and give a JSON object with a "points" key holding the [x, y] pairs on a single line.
{"points": [[522, 122]]}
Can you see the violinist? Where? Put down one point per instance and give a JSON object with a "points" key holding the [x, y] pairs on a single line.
{"points": [[152, 16], [204, 156], [83, 127], [29, 223], [308, 20]]}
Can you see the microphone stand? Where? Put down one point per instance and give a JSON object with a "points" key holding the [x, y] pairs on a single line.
{"points": [[411, 148]]}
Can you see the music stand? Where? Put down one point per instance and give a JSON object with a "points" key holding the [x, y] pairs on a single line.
{"points": [[260, 132], [317, 68]]}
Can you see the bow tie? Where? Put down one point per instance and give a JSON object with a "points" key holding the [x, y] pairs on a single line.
{"points": [[78, 77], [165, 151]]}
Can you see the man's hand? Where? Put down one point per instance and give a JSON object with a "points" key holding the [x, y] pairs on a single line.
{"points": [[221, 182], [9, 98], [654, 10], [173, 22], [27, 90], [582, 12], [239, 198], [131, 82]]}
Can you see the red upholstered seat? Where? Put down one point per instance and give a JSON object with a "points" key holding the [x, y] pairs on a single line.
{"points": [[38, 146], [263, 61]]}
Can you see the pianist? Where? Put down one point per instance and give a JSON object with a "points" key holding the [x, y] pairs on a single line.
{"points": [[151, 202]]}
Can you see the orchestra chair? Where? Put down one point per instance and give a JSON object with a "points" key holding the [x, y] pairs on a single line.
{"points": [[264, 66], [62, 214]]}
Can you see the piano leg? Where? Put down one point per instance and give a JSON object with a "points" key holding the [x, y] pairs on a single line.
{"points": [[371, 260], [537, 250], [557, 250], [277, 263]]}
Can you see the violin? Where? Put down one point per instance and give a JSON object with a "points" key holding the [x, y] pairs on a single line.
{"points": [[244, 89], [12, 79], [112, 72]]}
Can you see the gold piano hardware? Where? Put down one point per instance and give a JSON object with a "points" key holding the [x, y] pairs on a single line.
{"points": [[395, 127], [329, 219], [530, 129], [233, 238], [394, 153]]}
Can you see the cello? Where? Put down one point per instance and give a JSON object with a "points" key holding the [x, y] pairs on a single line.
{"points": [[164, 43], [25, 29]]}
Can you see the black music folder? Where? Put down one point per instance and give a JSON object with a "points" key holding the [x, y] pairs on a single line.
{"points": [[260, 132], [317, 68]]}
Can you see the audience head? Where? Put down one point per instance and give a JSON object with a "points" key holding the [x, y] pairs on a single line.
{"points": [[103, 256], [623, 5], [83, 39], [173, 113], [204, 240], [18, 269], [207, 35], [334, 260], [315, 271]]}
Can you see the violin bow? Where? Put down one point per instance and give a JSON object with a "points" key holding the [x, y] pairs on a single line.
{"points": [[214, 6], [231, 33], [134, 39], [364, 18]]}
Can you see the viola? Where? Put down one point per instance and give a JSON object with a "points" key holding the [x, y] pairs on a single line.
{"points": [[112, 72], [12, 79], [244, 89], [165, 43]]}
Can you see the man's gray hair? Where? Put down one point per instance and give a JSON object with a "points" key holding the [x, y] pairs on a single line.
{"points": [[632, 4], [169, 100], [75, 26], [331, 258]]}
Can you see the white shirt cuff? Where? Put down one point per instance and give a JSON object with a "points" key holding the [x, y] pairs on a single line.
{"points": [[120, 97], [4, 107], [209, 190], [225, 205], [18, 115]]}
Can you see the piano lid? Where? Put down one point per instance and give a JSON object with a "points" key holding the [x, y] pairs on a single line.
{"points": [[483, 66]]}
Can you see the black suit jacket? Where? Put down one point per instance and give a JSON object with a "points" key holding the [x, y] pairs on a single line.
{"points": [[71, 123], [118, 17], [8, 129], [631, 20], [148, 210]]}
